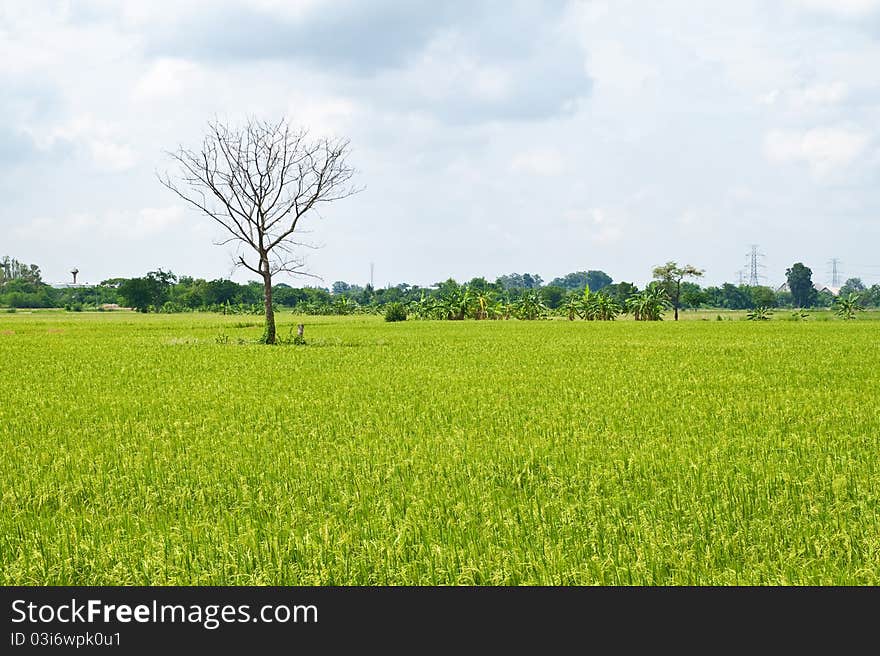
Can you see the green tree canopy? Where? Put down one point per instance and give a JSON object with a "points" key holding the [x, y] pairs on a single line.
{"points": [[670, 276], [800, 283]]}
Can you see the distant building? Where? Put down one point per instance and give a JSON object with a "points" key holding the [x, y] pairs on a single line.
{"points": [[69, 285], [834, 291]]}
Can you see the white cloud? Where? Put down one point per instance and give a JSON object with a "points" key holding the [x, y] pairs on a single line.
{"points": [[806, 97], [116, 225], [109, 156], [597, 224], [616, 68], [167, 78], [96, 139], [321, 115], [540, 161], [821, 94], [842, 8], [825, 150]]}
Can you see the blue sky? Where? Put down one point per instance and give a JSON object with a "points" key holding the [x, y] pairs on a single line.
{"points": [[490, 137]]}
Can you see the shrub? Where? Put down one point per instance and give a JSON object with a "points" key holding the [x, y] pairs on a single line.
{"points": [[395, 312]]}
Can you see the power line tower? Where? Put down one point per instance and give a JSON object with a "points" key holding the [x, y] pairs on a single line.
{"points": [[835, 271], [740, 274], [755, 266]]}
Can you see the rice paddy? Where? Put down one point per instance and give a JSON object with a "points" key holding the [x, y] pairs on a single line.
{"points": [[158, 450]]}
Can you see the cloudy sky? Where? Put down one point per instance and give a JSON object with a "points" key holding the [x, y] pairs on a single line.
{"points": [[490, 137]]}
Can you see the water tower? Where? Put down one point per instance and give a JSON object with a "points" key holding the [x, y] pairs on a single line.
{"points": [[74, 272]]}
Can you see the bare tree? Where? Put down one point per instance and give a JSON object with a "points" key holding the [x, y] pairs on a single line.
{"points": [[258, 181]]}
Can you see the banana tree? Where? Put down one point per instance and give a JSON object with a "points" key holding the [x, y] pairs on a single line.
{"points": [[846, 307], [423, 308], [588, 307], [456, 303], [482, 302], [530, 306], [648, 305], [760, 313], [572, 307], [606, 308]]}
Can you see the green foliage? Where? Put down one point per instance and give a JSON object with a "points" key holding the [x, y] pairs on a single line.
{"points": [[670, 277], [149, 292], [800, 283], [595, 280], [531, 307], [552, 296], [847, 307], [11, 269], [395, 312], [648, 305], [759, 314], [598, 306]]}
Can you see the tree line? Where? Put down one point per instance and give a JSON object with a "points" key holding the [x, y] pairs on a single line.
{"points": [[590, 294]]}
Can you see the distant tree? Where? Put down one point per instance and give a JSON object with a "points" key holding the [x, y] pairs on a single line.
{"points": [[576, 281], [598, 280], [670, 276], [12, 269], [112, 282], [219, 292], [852, 285], [137, 293], [258, 182], [510, 281], [692, 295], [824, 298], [762, 297], [734, 297], [621, 291], [800, 283], [150, 291], [857, 287], [519, 281], [532, 281], [553, 296], [480, 284]]}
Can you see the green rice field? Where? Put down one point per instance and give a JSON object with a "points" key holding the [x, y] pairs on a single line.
{"points": [[158, 449]]}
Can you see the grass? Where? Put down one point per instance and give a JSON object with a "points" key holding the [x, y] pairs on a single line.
{"points": [[138, 450]]}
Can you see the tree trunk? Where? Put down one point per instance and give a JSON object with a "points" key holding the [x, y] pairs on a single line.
{"points": [[677, 297], [269, 335]]}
